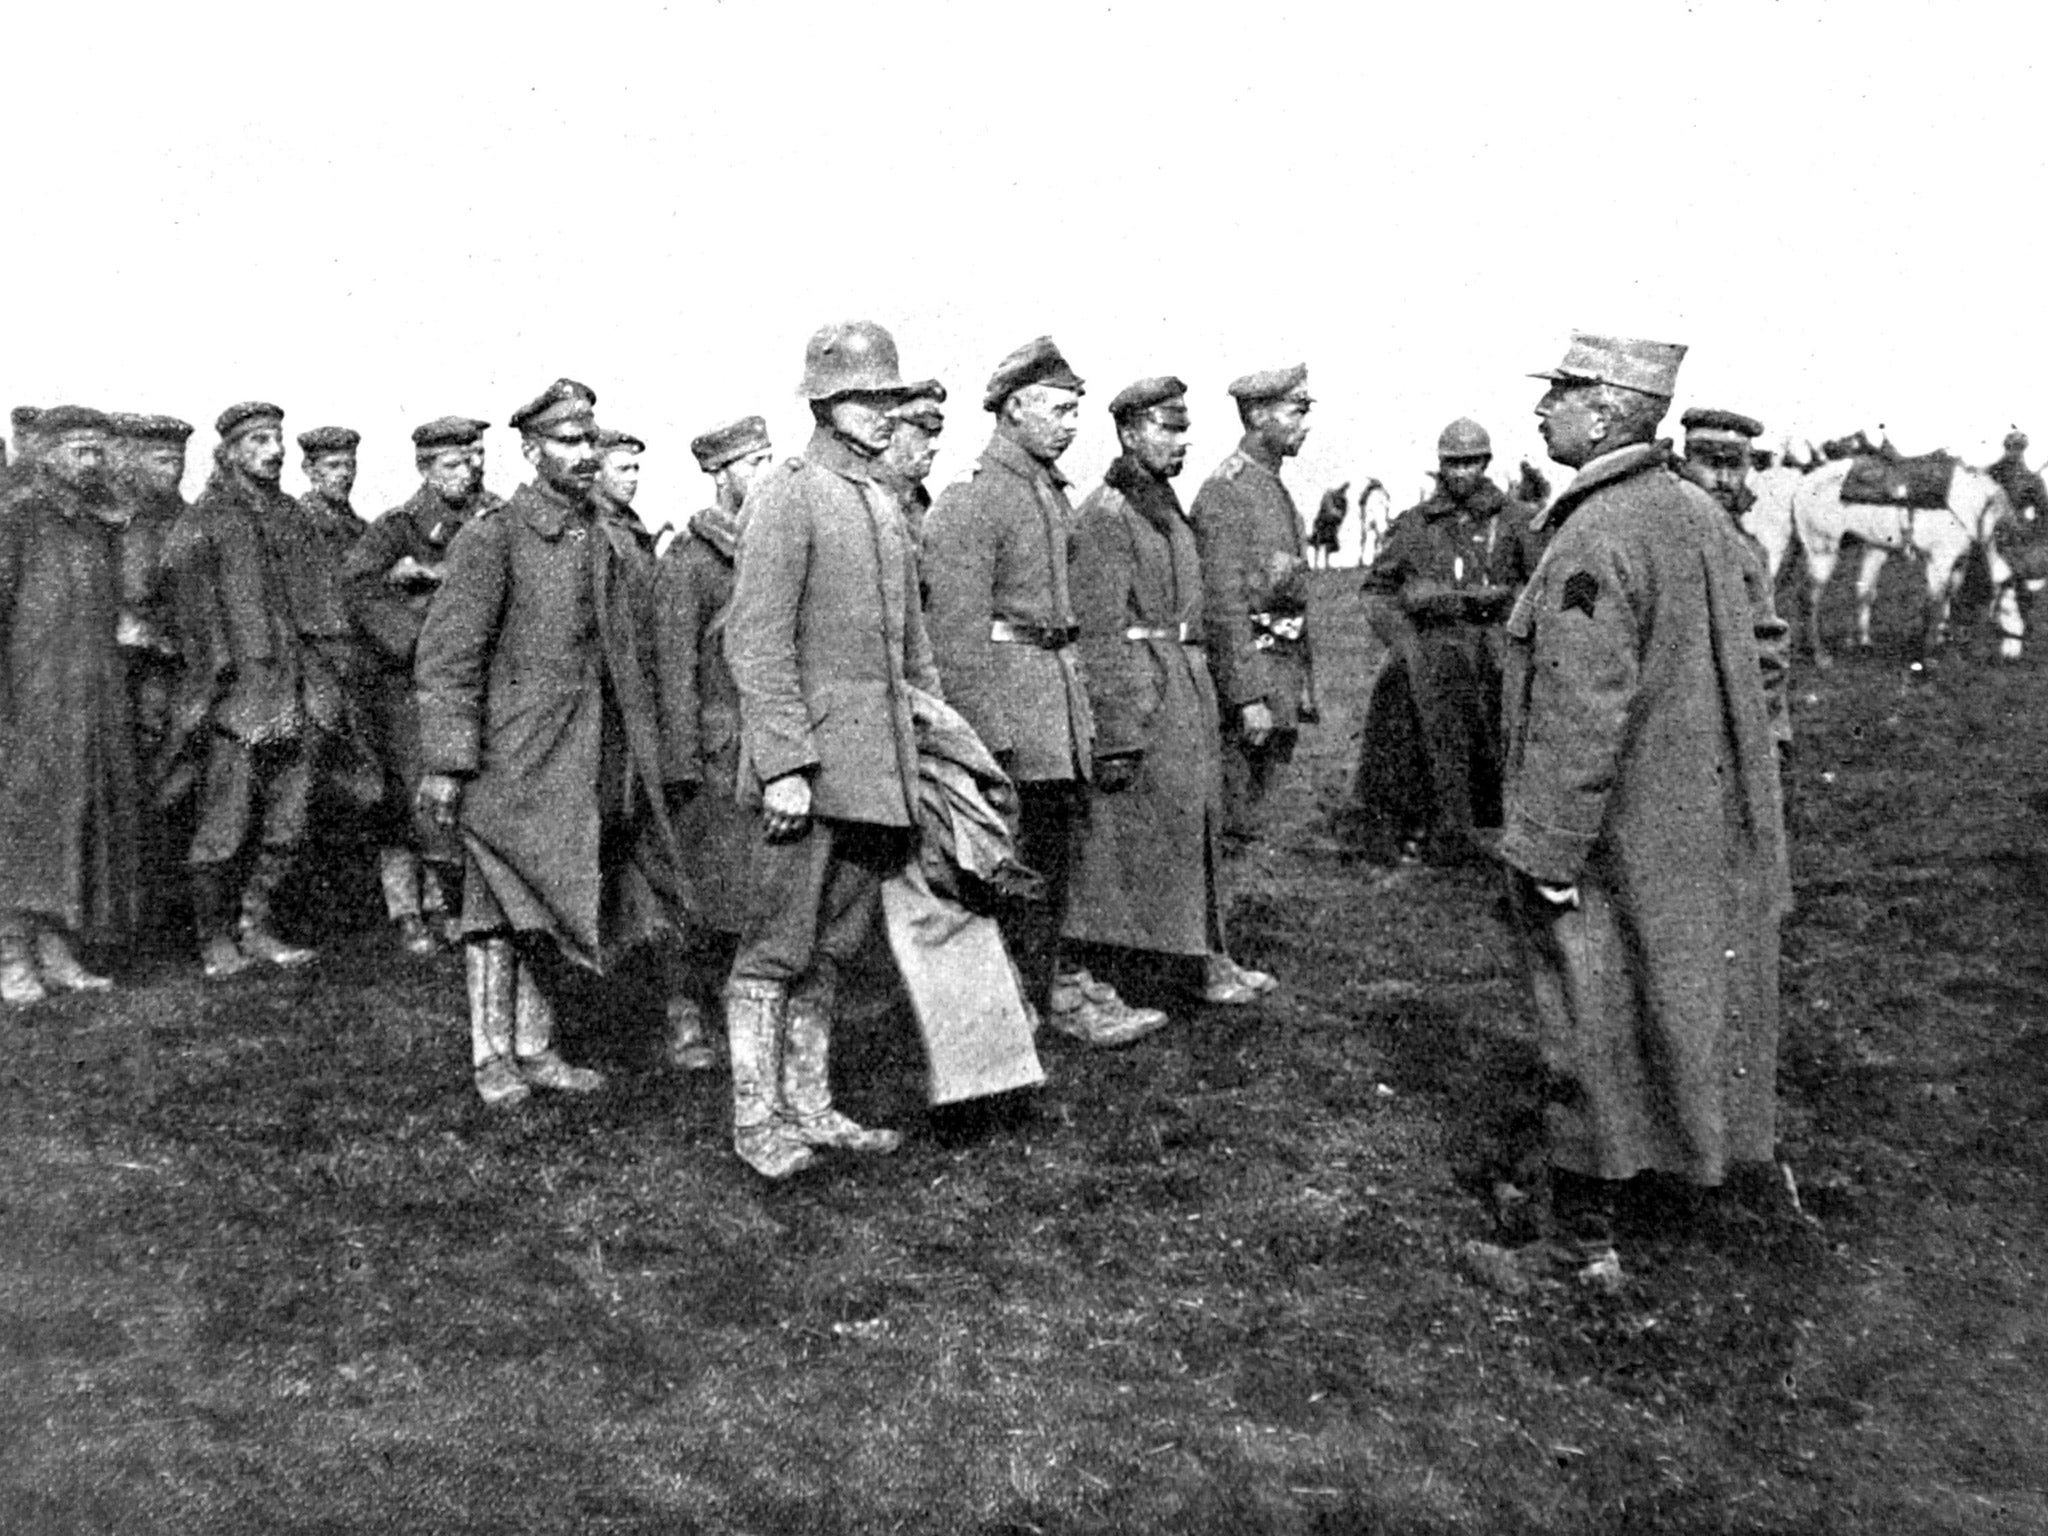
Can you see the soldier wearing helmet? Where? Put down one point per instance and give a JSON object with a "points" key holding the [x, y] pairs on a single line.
{"points": [[825, 638], [2022, 487], [1451, 569]]}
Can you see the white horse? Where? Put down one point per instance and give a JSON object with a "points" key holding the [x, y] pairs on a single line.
{"points": [[1940, 537], [1375, 517], [1769, 520]]}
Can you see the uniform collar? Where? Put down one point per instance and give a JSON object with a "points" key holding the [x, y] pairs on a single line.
{"points": [[1607, 469], [718, 528], [1252, 451], [828, 450], [547, 511], [1007, 453], [1483, 502], [1153, 498]]}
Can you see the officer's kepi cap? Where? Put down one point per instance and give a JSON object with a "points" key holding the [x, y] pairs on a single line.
{"points": [[564, 400], [1648, 367]]}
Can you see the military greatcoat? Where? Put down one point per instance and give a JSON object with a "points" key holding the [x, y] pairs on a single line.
{"points": [[68, 812], [1256, 579], [1146, 876], [1642, 768], [536, 679], [996, 549], [700, 710]]}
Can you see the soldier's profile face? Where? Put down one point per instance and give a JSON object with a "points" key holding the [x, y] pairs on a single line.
{"points": [[1046, 419], [454, 473], [618, 475], [912, 450], [259, 453], [1568, 416], [565, 456], [741, 473], [868, 421], [1159, 444], [332, 474], [159, 466]]}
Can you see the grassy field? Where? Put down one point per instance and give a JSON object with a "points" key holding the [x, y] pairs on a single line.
{"points": [[270, 1267]]}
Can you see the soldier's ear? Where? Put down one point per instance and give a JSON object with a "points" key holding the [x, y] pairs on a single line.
{"points": [[531, 449]]}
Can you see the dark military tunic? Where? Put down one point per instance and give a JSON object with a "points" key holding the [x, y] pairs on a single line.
{"points": [[537, 685], [68, 809]]}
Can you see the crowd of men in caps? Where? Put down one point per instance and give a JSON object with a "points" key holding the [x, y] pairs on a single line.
{"points": [[999, 730]]}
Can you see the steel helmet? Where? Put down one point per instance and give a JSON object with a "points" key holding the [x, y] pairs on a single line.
{"points": [[854, 356], [1464, 439], [2015, 441]]}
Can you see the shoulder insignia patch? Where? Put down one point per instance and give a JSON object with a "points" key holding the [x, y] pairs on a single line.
{"points": [[1581, 591]]}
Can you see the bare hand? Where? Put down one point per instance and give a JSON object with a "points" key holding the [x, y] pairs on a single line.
{"points": [[1560, 896], [1255, 723], [439, 798], [786, 807], [1114, 775], [408, 572]]}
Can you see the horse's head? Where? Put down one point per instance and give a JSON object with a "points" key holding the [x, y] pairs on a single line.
{"points": [[1854, 446]]}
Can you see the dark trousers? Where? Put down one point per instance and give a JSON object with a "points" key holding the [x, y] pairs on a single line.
{"points": [[813, 900], [1249, 774], [1457, 701], [251, 794], [1051, 817]]}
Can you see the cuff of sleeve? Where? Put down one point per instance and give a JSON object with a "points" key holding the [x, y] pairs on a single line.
{"points": [[779, 760], [1550, 854]]}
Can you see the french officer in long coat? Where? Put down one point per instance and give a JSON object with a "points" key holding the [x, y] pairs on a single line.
{"points": [[1644, 822], [1256, 607], [540, 738], [1149, 869]]}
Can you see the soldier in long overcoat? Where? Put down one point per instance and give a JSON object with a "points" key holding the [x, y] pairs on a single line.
{"points": [[1148, 873], [700, 711], [1256, 572], [389, 577], [254, 698], [997, 571], [68, 812], [540, 739], [1644, 820], [826, 640]]}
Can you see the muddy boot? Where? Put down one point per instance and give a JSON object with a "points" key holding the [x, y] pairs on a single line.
{"points": [[219, 955], [398, 876], [254, 933], [806, 1079], [533, 1018], [688, 1050], [753, 1030], [19, 983], [492, 976], [60, 966]]}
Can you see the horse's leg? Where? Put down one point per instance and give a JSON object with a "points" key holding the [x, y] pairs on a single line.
{"points": [[1820, 565], [2005, 603], [1867, 571], [1944, 574]]}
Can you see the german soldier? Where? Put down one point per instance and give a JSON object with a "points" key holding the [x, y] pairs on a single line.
{"points": [[701, 720], [540, 740], [390, 576], [1256, 602], [1003, 633], [907, 462], [68, 836], [1149, 867]]}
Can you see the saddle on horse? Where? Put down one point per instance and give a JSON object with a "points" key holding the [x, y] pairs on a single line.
{"points": [[1888, 481]]}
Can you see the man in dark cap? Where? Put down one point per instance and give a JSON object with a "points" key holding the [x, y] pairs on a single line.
{"points": [[617, 483], [2022, 486], [1003, 632], [390, 576], [68, 811], [541, 741], [1148, 871], [700, 710], [22, 421], [826, 640], [907, 462], [1645, 829], [1450, 570], [254, 698], [346, 763], [1256, 574]]}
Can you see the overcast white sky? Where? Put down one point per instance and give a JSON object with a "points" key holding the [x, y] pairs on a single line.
{"points": [[374, 214]]}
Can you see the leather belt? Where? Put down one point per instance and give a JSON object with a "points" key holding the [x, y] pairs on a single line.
{"points": [[1184, 634], [1047, 637]]}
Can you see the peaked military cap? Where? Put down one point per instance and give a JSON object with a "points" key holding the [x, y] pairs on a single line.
{"points": [[563, 400], [24, 417], [1038, 361], [1648, 367], [1707, 421], [921, 405], [73, 418], [730, 443], [125, 423], [1164, 389], [246, 417], [328, 440], [448, 432], [1273, 384], [609, 438], [156, 429]]}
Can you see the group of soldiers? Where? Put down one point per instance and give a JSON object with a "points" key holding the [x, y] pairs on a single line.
{"points": [[831, 696]]}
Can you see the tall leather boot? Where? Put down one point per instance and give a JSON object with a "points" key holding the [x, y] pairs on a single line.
{"points": [[753, 1028], [60, 966], [806, 1076], [492, 975], [688, 1051], [398, 876], [534, 1039], [258, 942], [19, 983], [212, 917]]}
